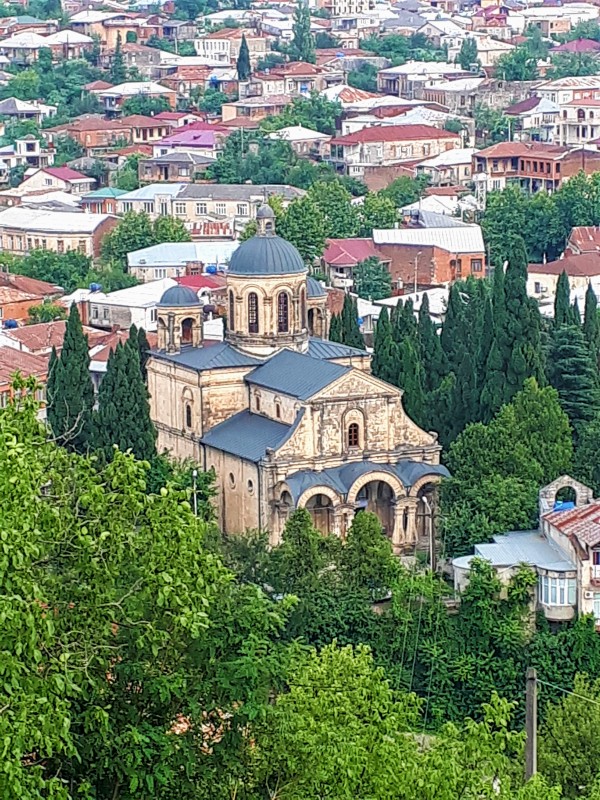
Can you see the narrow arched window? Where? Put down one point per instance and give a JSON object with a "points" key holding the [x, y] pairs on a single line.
{"points": [[188, 415], [353, 435], [283, 313], [303, 309], [252, 312], [231, 312]]}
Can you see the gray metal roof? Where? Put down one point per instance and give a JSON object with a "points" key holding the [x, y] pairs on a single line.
{"points": [[177, 296], [266, 255], [525, 547], [295, 374], [181, 158], [211, 356], [324, 349], [238, 191], [247, 435], [341, 478], [314, 288]]}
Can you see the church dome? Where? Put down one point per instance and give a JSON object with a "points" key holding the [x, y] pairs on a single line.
{"points": [[179, 296], [266, 254], [314, 288]]}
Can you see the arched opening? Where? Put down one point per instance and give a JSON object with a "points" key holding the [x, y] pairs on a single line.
{"points": [[283, 312], [320, 509], [580, 115], [188, 415], [269, 227], [565, 498], [378, 497], [252, 312], [426, 510], [231, 320], [187, 331], [353, 435]]}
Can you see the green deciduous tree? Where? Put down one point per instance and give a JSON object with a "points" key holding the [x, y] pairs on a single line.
{"points": [[334, 201], [134, 231], [170, 229], [46, 312], [303, 225], [70, 393], [302, 47], [372, 279], [518, 65], [377, 211], [314, 111], [467, 55], [123, 415]]}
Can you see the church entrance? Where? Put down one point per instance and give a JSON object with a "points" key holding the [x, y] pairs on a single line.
{"points": [[378, 497], [426, 512], [320, 508]]}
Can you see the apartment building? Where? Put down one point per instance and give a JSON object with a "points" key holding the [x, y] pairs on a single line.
{"points": [[209, 211], [578, 100], [532, 165], [24, 229], [411, 79], [389, 144]]}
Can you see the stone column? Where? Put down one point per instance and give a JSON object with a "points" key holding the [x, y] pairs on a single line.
{"points": [[404, 538], [343, 516]]}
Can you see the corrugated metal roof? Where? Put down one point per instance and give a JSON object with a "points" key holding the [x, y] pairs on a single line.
{"points": [[322, 348], [296, 375], [525, 547], [247, 435], [210, 356], [464, 239], [174, 254]]}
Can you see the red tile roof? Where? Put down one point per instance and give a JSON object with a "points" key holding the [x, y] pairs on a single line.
{"points": [[30, 285], [41, 338], [12, 361], [98, 86], [202, 281], [586, 239], [394, 133], [140, 121], [525, 105], [171, 115], [348, 252], [582, 522], [586, 265], [578, 46], [518, 149], [66, 174]]}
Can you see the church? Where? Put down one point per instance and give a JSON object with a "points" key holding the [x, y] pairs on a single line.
{"points": [[284, 417]]}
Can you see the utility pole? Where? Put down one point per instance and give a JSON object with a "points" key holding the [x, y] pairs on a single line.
{"points": [[531, 724]]}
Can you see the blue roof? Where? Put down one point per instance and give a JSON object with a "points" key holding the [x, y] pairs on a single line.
{"points": [[324, 349], [248, 435], [341, 478], [215, 356], [266, 255], [295, 374], [314, 288]]}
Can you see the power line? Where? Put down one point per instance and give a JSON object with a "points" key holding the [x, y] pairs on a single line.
{"points": [[568, 691]]}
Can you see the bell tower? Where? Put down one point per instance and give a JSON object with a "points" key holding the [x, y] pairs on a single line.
{"points": [[179, 320]]}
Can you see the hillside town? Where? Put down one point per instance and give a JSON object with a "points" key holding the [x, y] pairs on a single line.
{"points": [[300, 399]]}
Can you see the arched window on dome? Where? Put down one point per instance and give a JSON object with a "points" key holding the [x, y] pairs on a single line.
{"points": [[283, 312], [302, 308], [252, 312], [231, 320]]}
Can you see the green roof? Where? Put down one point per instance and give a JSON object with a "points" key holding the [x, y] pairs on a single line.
{"points": [[98, 194], [27, 19]]}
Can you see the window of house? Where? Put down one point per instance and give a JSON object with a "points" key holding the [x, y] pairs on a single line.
{"points": [[184, 172], [29, 243], [231, 320], [105, 313], [47, 181], [476, 265], [221, 209], [127, 205], [201, 209], [149, 207], [353, 434], [188, 415], [537, 288], [160, 272], [180, 209], [242, 209], [283, 313], [152, 315], [557, 591], [164, 208], [252, 312], [81, 246], [4, 396], [94, 312]]}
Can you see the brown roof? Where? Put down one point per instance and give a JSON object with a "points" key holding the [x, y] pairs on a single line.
{"points": [[30, 285], [585, 238], [394, 133], [90, 123], [241, 122], [585, 265], [582, 522], [9, 295], [141, 121], [525, 105], [27, 364], [98, 86], [41, 338], [518, 149], [348, 252]]}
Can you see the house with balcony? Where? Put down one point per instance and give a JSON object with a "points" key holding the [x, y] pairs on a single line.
{"points": [[304, 141], [255, 108], [389, 144], [112, 99], [295, 78], [535, 119], [409, 80], [564, 552], [341, 257], [223, 46], [532, 165], [578, 99]]}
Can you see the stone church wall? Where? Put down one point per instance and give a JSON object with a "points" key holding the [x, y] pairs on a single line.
{"points": [[238, 491]]}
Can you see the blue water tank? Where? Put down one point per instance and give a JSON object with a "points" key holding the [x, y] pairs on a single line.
{"points": [[95, 287], [10, 324], [211, 269]]}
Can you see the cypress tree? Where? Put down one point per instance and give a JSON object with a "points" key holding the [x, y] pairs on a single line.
{"points": [[574, 314], [432, 355], [492, 380], [410, 379], [562, 300], [351, 334], [118, 73], [70, 392], [139, 339], [335, 328], [243, 62], [452, 330], [385, 356], [485, 341], [403, 321], [591, 326], [123, 415], [573, 373]]}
